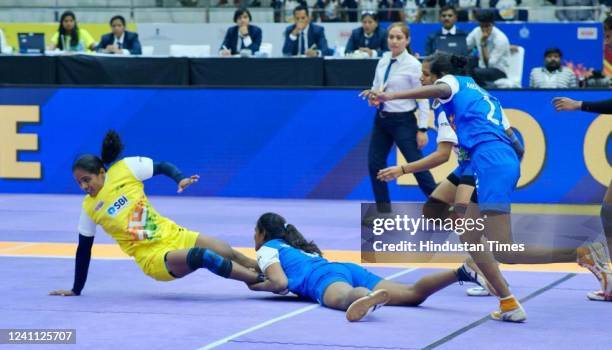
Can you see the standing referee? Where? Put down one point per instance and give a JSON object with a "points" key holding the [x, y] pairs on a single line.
{"points": [[403, 122]]}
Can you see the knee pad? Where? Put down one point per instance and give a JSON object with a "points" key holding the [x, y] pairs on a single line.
{"points": [[435, 209], [198, 257], [474, 197]]}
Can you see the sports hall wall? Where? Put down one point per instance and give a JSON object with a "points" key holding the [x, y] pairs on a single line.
{"points": [[275, 143]]}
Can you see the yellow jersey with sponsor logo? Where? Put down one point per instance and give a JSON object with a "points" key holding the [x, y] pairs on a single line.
{"points": [[124, 212]]}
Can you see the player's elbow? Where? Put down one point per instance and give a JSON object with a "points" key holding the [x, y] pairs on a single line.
{"points": [[443, 152], [442, 156], [278, 284]]}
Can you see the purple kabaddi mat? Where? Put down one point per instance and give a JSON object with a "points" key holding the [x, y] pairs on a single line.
{"points": [[121, 308]]}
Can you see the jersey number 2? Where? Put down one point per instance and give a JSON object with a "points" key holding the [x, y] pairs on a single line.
{"points": [[491, 114]]}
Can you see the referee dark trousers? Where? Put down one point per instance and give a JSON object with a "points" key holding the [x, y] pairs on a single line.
{"points": [[399, 128]]}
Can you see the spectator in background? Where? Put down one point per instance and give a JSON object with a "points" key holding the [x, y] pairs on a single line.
{"points": [[69, 37], [576, 15], [552, 75], [4, 47], [448, 38], [368, 5], [305, 38], [493, 50], [369, 38], [220, 3], [506, 9], [120, 41], [391, 11], [328, 10], [284, 8], [350, 8], [242, 36], [463, 7], [414, 10]]}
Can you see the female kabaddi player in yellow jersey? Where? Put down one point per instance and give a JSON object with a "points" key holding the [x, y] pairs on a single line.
{"points": [[163, 250]]}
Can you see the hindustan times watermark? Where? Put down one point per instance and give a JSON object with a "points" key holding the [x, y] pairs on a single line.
{"points": [[446, 247], [406, 235]]}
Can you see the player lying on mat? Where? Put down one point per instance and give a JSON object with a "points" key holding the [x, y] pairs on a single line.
{"points": [[476, 117], [116, 201], [453, 195], [291, 263]]}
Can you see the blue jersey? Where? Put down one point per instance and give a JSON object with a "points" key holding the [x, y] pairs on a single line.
{"points": [[474, 114], [447, 132], [296, 263]]}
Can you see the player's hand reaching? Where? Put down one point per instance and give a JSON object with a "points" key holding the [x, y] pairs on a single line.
{"points": [[390, 173], [566, 104], [186, 182], [64, 293]]}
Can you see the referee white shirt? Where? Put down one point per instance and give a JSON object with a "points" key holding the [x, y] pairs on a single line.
{"points": [[405, 74]]}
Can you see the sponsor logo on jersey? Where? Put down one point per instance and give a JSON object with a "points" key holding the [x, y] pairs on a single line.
{"points": [[116, 207]]}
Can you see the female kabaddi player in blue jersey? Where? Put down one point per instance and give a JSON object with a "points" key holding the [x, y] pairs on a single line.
{"points": [[453, 195], [291, 263], [476, 117]]}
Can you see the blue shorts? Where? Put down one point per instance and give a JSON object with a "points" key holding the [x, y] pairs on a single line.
{"points": [[464, 169], [496, 171], [326, 274]]}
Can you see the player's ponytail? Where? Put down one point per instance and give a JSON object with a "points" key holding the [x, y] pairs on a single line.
{"points": [[459, 62], [111, 147], [274, 226], [444, 63], [296, 240]]}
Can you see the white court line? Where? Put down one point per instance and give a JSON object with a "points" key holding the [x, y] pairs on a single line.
{"points": [[283, 317]]}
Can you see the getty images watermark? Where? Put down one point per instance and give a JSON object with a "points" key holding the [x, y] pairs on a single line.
{"points": [[406, 235]]}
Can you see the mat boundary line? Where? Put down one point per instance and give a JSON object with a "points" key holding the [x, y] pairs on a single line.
{"points": [[326, 345], [477, 323], [282, 317]]}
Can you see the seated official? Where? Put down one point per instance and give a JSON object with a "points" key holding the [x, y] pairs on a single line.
{"points": [[369, 38], [69, 37], [305, 38], [449, 38], [242, 36], [120, 41], [493, 50]]}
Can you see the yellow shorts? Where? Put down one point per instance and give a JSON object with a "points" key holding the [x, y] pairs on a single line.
{"points": [[150, 258]]}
